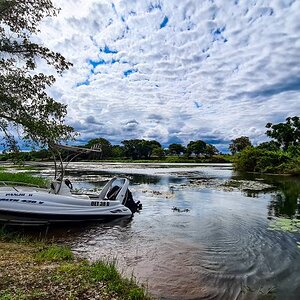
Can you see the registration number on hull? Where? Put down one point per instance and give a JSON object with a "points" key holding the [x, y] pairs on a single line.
{"points": [[99, 203]]}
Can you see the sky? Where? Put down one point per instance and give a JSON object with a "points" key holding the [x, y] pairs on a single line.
{"points": [[176, 71]]}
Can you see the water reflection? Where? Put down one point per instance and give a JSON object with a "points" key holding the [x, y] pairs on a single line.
{"points": [[284, 190], [220, 249], [285, 202]]}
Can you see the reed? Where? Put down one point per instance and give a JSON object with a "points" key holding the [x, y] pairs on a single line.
{"points": [[23, 177]]}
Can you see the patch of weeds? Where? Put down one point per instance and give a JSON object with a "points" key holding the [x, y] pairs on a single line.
{"points": [[36, 294], [104, 271], [10, 236], [54, 253], [107, 272], [5, 295], [21, 295], [261, 292], [136, 294], [12, 295], [286, 225], [68, 268], [23, 177], [51, 272], [6, 235]]}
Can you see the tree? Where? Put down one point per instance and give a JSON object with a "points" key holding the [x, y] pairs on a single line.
{"points": [[176, 149], [25, 107], [131, 148], [270, 146], [197, 147], [102, 145], [252, 159], [137, 148], [286, 134], [146, 148], [158, 152], [118, 151], [210, 150], [239, 144]]}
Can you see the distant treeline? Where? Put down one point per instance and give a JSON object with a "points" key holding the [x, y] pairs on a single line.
{"points": [[134, 149], [281, 154]]}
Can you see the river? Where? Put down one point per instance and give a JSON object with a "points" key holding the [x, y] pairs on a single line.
{"points": [[205, 232]]}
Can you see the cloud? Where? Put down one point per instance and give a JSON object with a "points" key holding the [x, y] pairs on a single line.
{"points": [[179, 71]]}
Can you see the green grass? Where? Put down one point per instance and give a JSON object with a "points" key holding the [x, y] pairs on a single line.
{"points": [[12, 236], [21, 295], [48, 271], [23, 177], [54, 253], [104, 272]]}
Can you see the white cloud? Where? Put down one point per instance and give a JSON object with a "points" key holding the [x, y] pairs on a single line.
{"points": [[182, 71]]}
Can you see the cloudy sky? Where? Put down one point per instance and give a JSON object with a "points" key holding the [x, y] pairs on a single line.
{"points": [[177, 71]]}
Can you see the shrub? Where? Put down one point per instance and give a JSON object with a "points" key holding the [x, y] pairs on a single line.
{"points": [[258, 160]]}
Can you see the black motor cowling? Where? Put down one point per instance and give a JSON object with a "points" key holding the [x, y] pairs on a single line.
{"points": [[131, 204]]}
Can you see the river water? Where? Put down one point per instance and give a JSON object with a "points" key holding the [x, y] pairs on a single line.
{"points": [[216, 244]]}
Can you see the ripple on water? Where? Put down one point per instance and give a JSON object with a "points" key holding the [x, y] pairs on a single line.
{"points": [[212, 263], [221, 249]]}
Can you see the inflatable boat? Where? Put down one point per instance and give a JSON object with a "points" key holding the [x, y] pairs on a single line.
{"points": [[26, 205]]}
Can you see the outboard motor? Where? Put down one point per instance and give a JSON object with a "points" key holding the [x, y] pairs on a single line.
{"points": [[130, 203]]}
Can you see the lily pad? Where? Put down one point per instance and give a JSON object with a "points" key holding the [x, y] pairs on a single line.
{"points": [[287, 225]]}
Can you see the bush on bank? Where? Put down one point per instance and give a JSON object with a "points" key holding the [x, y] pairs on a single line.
{"points": [[253, 159]]}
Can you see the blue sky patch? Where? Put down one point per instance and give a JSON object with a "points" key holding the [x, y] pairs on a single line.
{"points": [[96, 63], [129, 72], [107, 50], [164, 22], [154, 6], [86, 82], [197, 104], [218, 34]]}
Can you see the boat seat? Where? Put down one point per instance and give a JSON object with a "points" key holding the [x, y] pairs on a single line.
{"points": [[113, 192]]}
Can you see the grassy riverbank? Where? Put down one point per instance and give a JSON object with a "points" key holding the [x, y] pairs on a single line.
{"points": [[176, 159], [33, 269], [221, 158], [24, 178]]}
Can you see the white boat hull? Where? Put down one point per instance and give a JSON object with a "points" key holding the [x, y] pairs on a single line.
{"points": [[19, 205]]}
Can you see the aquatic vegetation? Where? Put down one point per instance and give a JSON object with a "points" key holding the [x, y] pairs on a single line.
{"points": [[247, 185], [154, 193], [261, 292], [174, 208], [24, 178], [284, 224]]}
